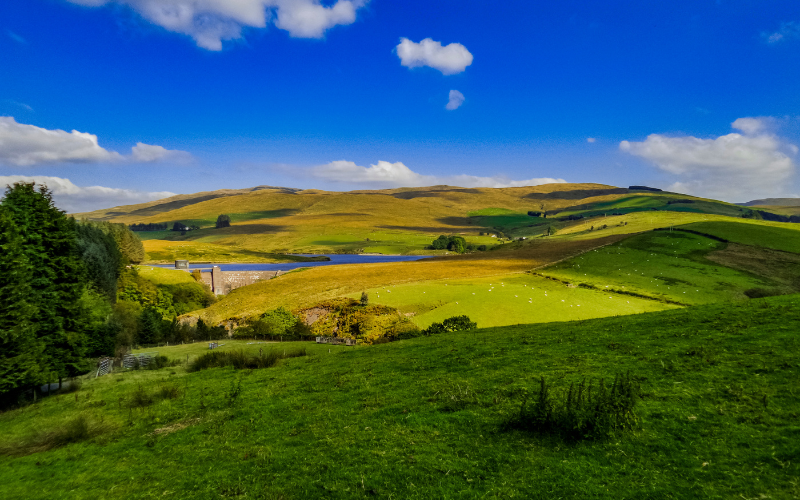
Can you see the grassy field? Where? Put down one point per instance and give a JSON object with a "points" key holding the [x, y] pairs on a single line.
{"points": [[296, 290], [506, 300], [661, 264], [426, 418], [161, 276], [647, 221], [785, 237]]}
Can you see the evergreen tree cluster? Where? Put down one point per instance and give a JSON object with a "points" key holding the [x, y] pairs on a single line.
{"points": [[58, 286], [153, 226]]}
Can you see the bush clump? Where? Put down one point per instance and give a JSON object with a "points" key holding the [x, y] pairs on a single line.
{"points": [[587, 411], [241, 360], [453, 324], [453, 243]]}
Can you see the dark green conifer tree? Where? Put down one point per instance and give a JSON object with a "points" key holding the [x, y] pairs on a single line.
{"points": [[21, 353], [57, 275]]}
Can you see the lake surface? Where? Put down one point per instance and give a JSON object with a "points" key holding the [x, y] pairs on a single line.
{"points": [[336, 259]]}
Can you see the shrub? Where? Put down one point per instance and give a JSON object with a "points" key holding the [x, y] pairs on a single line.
{"points": [[158, 362], [585, 412], [140, 398], [241, 360], [452, 324]]}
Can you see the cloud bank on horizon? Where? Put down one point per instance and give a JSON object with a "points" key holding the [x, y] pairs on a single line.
{"points": [[24, 145], [393, 175], [73, 199], [210, 22], [736, 167]]}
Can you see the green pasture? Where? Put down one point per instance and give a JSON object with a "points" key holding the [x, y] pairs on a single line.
{"points": [[662, 264], [639, 203], [426, 418], [785, 238], [507, 221], [162, 276], [154, 235], [506, 300], [187, 352]]}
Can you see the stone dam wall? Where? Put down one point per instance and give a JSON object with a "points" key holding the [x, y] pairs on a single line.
{"points": [[222, 282]]}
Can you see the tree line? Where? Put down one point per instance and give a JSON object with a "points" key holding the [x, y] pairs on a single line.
{"points": [[69, 293], [153, 226]]}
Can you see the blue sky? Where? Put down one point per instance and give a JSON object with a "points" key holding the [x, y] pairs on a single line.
{"points": [[314, 94]]}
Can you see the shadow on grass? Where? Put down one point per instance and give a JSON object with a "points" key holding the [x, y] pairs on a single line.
{"points": [[75, 430]]}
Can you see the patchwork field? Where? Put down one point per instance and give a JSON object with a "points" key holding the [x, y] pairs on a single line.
{"points": [[430, 417], [269, 221], [668, 265]]}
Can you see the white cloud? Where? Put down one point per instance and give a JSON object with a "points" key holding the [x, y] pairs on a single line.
{"points": [[73, 199], [787, 31], [750, 126], [733, 167], [209, 22], [24, 145], [146, 153], [390, 175], [450, 59], [456, 100], [591, 140]]}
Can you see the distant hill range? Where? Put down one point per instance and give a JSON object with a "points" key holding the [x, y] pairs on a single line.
{"points": [[278, 220], [773, 202]]}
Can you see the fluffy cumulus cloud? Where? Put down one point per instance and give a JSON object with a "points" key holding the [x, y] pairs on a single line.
{"points": [[735, 167], [456, 100], [24, 145], [210, 22], [391, 175], [450, 59], [73, 199], [787, 31]]}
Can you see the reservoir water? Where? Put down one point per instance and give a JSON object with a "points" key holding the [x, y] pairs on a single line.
{"points": [[336, 259]]}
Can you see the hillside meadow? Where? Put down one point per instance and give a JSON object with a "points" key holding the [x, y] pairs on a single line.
{"points": [[429, 418]]}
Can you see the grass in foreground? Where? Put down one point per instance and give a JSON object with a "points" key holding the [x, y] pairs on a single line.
{"points": [[426, 418]]}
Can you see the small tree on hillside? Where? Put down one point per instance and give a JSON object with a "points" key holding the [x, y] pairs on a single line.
{"points": [[223, 221], [364, 299]]}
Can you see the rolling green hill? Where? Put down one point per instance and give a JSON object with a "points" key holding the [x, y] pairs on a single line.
{"points": [[267, 221], [429, 417]]}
